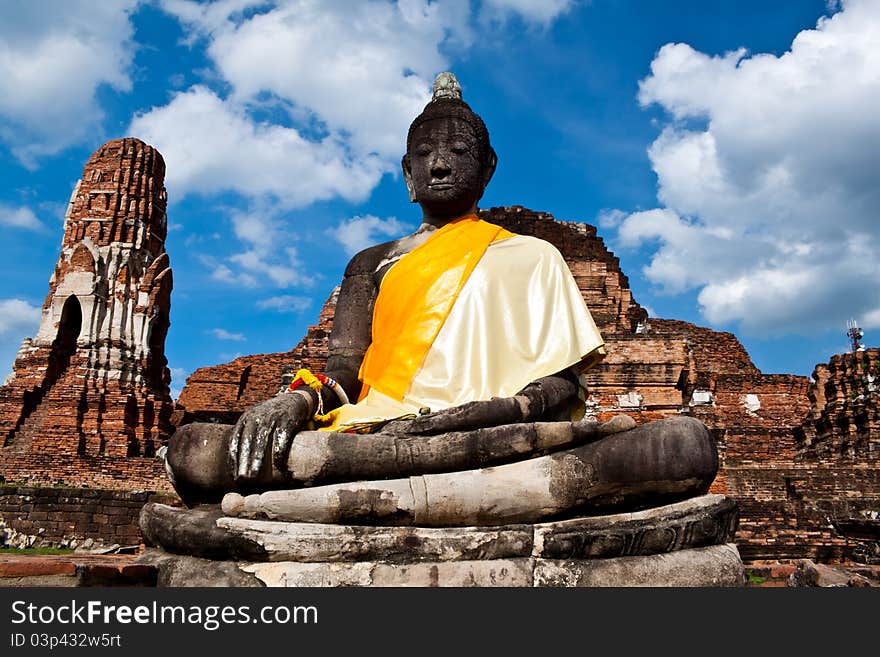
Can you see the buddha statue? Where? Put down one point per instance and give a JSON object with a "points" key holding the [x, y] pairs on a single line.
{"points": [[453, 371]]}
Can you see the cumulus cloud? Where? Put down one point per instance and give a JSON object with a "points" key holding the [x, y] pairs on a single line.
{"points": [[265, 259], [344, 78], [18, 317], [358, 233], [610, 218], [769, 172], [213, 145], [285, 303], [19, 217], [52, 62], [542, 12], [265, 256], [223, 334]]}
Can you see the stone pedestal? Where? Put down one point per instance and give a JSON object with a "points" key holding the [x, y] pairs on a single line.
{"points": [[682, 544]]}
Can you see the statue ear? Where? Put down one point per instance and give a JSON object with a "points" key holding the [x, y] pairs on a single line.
{"points": [[407, 176], [489, 167]]}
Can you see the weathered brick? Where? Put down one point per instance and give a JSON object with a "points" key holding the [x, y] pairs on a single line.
{"points": [[107, 403]]}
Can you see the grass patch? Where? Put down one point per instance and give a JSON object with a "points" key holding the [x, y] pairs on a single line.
{"points": [[755, 579]]}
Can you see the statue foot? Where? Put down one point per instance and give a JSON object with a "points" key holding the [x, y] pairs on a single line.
{"points": [[616, 424]]}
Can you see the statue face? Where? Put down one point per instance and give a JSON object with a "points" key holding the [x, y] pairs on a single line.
{"points": [[443, 168]]}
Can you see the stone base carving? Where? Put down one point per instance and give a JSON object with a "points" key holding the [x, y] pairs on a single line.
{"points": [[682, 544], [716, 565]]}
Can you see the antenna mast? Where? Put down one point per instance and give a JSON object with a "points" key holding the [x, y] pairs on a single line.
{"points": [[855, 334]]}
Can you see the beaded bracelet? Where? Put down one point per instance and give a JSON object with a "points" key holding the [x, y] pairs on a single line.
{"points": [[316, 382]]}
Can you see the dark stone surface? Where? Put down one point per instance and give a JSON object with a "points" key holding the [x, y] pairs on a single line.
{"points": [[194, 532], [656, 463], [187, 571], [200, 462], [698, 522], [347, 457], [694, 523], [811, 574], [711, 566]]}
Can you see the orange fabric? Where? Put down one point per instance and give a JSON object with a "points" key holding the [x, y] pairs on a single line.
{"points": [[415, 298]]}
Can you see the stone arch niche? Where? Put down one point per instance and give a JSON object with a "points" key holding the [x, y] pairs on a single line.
{"points": [[156, 334], [64, 345], [132, 420]]}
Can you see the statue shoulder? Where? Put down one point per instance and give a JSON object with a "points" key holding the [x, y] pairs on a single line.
{"points": [[531, 247], [368, 260]]}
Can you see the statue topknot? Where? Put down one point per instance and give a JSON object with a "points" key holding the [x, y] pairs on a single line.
{"points": [[447, 102]]}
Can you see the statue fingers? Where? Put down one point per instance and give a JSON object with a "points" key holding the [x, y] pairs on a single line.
{"points": [[252, 448], [284, 434], [234, 445]]}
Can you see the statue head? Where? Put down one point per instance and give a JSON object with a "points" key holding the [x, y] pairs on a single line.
{"points": [[449, 160]]}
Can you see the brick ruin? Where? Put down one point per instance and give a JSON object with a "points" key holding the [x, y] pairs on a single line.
{"points": [[88, 402], [797, 456]]}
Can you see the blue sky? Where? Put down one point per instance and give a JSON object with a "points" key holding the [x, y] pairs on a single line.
{"points": [[728, 151]]}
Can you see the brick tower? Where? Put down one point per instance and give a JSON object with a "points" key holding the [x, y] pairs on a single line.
{"points": [[88, 402]]}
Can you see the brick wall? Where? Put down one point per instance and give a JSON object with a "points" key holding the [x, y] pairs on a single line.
{"points": [[58, 515]]}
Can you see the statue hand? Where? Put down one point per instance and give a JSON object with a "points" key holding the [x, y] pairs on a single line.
{"points": [[466, 417], [262, 436]]}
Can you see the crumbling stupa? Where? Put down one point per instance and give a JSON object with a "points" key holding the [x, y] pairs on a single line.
{"points": [[88, 402]]}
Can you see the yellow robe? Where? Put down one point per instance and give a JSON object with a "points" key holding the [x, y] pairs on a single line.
{"points": [[474, 312]]}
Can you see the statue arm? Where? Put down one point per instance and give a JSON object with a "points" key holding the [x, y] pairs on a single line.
{"points": [[543, 399], [352, 326], [262, 436]]}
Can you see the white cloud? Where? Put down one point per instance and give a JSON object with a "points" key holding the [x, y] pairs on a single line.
{"points": [[281, 274], [264, 234], [19, 217], [52, 61], [536, 11], [18, 317], [264, 259], [178, 374], [285, 303], [358, 233], [768, 171], [223, 334], [211, 145], [219, 271], [610, 217], [178, 379], [347, 77], [224, 274]]}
